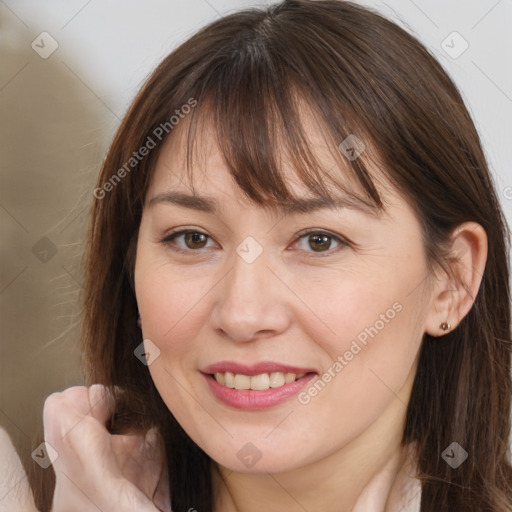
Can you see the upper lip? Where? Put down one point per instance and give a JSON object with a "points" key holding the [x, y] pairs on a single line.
{"points": [[254, 369]]}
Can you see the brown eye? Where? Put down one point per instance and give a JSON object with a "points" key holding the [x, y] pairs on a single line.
{"points": [[321, 242], [195, 240], [192, 240]]}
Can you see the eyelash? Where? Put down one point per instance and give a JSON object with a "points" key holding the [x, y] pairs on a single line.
{"points": [[168, 240]]}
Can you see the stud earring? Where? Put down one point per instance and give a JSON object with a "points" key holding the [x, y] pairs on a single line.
{"points": [[445, 326]]}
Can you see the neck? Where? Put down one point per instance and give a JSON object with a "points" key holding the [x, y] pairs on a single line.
{"points": [[360, 477]]}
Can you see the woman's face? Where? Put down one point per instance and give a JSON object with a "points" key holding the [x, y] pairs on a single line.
{"points": [[248, 295]]}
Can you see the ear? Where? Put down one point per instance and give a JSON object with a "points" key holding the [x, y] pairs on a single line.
{"points": [[456, 285]]}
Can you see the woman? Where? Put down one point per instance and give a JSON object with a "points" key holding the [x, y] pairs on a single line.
{"points": [[296, 287]]}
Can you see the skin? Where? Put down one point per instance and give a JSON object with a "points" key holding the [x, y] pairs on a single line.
{"points": [[340, 451], [96, 470]]}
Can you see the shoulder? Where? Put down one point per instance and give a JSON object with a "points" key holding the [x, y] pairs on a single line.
{"points": [[15, 492]]}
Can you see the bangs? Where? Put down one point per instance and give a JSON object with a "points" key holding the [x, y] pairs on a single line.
{"points": [[265, 119]]}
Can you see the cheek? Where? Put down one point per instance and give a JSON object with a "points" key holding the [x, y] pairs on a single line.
{"points": [[356, 306], [369, 327], [172, 312], [172, 305], [378, 328]]}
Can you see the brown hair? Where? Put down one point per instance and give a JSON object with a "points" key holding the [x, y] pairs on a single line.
{"points": [[359, 74]]}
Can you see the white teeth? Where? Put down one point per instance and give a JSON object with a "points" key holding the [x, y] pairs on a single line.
{"points": [[259, 382], [289, 377], [229, 380], [242, 381], [276, 379]]}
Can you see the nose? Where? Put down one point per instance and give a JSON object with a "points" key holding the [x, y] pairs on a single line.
{"points": [[250, 302]]}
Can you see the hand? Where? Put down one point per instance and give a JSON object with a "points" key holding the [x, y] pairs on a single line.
{"points": [[96, 470]]}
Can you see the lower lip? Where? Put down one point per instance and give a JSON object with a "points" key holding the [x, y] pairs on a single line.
{"points": [[249, 399]]}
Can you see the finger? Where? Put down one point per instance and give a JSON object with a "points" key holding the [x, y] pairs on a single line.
{"points": [[63, 410], [74, 425], [86, 465], [101, 402]]}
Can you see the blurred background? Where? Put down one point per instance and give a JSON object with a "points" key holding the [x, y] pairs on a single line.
{"points": [[69, 69]]}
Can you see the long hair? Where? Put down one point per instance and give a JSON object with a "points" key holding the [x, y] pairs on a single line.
{"points": [[251, 74]]}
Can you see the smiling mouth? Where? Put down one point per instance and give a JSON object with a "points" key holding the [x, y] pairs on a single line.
{"points": [[260, 382]]}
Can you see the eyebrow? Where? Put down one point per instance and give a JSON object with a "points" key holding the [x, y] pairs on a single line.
{"points": [[296, 206]]}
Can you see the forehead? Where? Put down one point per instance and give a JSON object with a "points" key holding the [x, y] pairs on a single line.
{"points": [[207, 172]]}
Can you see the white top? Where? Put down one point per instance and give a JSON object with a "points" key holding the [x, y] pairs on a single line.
{"points": [[411, 497]]}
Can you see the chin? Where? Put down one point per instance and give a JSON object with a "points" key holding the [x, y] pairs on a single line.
{"points": [[262, 467], [250, 459]]}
